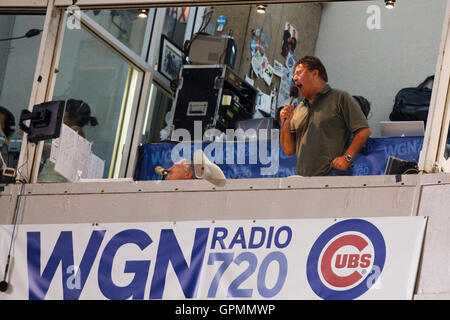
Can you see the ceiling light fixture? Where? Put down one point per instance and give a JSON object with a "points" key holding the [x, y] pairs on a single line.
{"points": [[389, 4], [143, 13], [261, 8]]}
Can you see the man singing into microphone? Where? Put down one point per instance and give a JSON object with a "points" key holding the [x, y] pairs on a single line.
{"points": [[318, 131]]}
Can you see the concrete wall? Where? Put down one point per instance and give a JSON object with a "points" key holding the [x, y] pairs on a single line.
{"points": [[120, 201], [378, 63], [238, 22]]}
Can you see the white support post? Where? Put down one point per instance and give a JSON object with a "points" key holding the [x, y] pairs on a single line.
{"points": [[438, 116], [27, 164], [143, 103]]}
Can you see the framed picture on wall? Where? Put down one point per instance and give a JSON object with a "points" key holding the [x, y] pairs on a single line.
{"points": [[170, 58]]}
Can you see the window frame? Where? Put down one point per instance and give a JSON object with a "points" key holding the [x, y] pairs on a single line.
{"points": [[432, 156]]}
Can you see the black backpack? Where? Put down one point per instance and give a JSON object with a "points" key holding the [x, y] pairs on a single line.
{"points": [[364, 104], [412, 104]]}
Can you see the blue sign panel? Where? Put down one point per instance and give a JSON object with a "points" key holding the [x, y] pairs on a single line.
{"points": [[240, 160]]}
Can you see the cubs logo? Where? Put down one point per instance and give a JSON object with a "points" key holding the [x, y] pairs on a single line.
{"points": [[346, 260]]}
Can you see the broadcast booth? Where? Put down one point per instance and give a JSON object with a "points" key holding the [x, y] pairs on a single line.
{"points": [[110, 97]]}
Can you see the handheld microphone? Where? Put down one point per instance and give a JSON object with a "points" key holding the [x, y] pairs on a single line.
{"points": [[161, 171], [293, 93], [4, 283], [3, 286], [33, 32]]}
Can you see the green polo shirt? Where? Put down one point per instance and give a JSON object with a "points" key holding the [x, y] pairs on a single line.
{"points": [[323, 130]]}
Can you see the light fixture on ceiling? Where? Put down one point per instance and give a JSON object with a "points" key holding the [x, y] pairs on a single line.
{"points": [[143, 13], [389, 4], [261, 8]]}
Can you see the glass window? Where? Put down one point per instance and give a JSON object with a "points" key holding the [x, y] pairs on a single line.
{"points": [[131, 27], [367, 49], [447, 150], [177, 28], [155, 128], [17, 67], [175, 24], [91, 72]]}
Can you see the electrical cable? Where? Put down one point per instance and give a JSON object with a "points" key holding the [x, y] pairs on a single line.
{"points": [[30, 33], [206, 19], [4, 283]]}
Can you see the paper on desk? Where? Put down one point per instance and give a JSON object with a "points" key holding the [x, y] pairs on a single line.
{"points": [[72, 154], [96, 167]]}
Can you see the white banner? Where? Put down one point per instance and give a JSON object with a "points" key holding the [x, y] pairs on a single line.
{"points": [[373, 258]]}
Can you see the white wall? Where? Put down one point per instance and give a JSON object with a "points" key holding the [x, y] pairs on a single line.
{"points": [[378, 63]]}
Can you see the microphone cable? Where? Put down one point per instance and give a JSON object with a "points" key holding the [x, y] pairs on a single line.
{"points": [[4, 283], [30, 33]]}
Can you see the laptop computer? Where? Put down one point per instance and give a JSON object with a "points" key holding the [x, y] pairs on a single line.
{"points": [[402, 128], [395, 166]]}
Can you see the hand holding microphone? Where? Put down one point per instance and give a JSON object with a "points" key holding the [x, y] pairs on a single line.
{"points": [[293, 93], [288, 111], [161, 171]]}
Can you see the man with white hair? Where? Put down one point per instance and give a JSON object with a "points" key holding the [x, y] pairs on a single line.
{"points": [[200, 168], [181, 170]]}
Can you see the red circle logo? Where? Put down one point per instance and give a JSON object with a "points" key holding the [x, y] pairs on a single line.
{"points": [[345, 260]]}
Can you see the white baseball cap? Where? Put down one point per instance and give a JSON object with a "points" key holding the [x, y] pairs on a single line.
{"points": [[205, 169]]}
